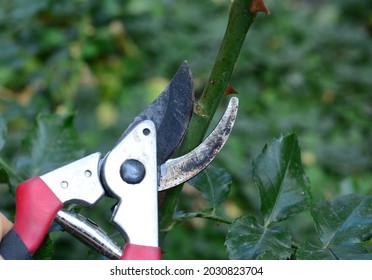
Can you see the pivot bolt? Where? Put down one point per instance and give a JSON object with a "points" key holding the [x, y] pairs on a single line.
{"points": [[132, 171]]}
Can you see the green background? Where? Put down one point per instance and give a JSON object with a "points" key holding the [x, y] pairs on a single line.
{"points": [[305, 68]]}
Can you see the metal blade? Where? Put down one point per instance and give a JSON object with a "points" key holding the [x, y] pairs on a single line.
{"points": [[170, 112], [173, 172], [170, 115], [179, 170]]}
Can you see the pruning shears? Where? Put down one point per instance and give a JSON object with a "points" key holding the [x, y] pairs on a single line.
{"points": [[133, 172]]}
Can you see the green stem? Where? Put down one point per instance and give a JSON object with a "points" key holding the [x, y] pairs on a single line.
{"points": [[188, 216], [240, 20], [212, 217], [9, 170]]}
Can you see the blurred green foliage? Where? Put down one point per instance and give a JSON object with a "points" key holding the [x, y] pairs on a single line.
{"points": [[305, 68]]}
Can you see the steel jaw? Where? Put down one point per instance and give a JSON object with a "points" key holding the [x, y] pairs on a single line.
{"points": [[172, 173], [179, 170]]}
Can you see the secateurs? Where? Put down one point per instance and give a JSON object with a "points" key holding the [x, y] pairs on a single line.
{"points": [[133, 172]]}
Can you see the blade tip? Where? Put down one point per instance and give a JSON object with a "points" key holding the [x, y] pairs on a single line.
{"points": [[234, 102]]}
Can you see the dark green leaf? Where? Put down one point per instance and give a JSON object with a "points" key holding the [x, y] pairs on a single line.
{"points": [[4, 178], [8, 178], [214, 184], [351, 252], [308, 251], [3, 131], [343, 224], [280, 178], [45, 250], [7, 175], [342, 252], [51, 144], [345, 220], [247, 239]]}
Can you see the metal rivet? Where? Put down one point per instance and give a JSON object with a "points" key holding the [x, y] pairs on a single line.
{"points": [[88, 173]]}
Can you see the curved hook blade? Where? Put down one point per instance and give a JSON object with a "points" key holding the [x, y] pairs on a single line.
{"points": [[179, 170]]}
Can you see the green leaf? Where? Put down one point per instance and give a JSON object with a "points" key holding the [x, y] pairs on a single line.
{"points": [[308, 251], [345, 220], [4, 177], [247, 239], [52, 143], [281, 180], [45, 251], [351, 252], [7, 177], [214, 184], [3, 132], [343, 225]]}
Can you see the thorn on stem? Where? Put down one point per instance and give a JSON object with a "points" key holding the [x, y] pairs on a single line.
{"points": [[230, 90], [258, 6]]}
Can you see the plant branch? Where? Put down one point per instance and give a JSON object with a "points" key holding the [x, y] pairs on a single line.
{"points": [[188, 216], [209, 216], [239, 22], [9, 170]]}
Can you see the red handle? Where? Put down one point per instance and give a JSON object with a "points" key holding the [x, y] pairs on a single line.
{"points": [[36, 207], [139, 252]]}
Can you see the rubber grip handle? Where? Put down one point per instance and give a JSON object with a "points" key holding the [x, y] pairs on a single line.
{"points": [[36, 207], [13, 248], [140, 252]]}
